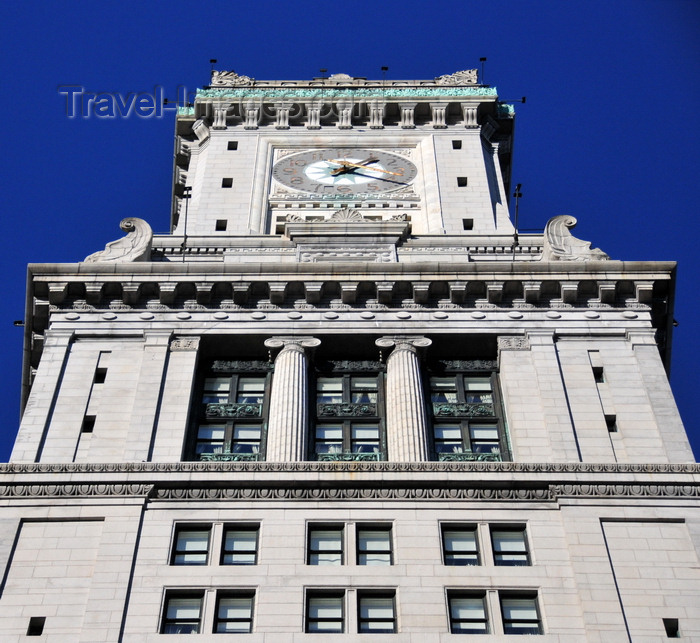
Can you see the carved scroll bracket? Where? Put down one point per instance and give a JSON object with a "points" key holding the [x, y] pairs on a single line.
{"points": [[404, 342], [300, 344], [561, 245], [135, 246]]}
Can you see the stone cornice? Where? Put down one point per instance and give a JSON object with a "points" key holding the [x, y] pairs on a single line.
{"points": [[352, 481]]}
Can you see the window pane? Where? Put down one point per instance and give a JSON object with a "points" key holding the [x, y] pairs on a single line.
{"points": [[182, 615], [329, 439], [376, 614], [520, 616], [365, 438], [468, 615], [240, 547], [374, 547], [324, 614], [234, 615], [509, 547], [329, 390], [443, 389], [216, 390], [448, 438], [326, 547], [477, 384], [364, 390], [460, 547], [210, 438], [246, 439], [251, 390], [191, 547]]}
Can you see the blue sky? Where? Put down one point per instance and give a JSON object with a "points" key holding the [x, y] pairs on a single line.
{"points": [[607, 133]]}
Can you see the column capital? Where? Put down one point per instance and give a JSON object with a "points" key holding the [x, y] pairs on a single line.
{"points": [[403, 342], [292, 343]]}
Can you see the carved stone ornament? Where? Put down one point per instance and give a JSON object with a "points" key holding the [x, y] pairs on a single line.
{"points": [[339, 77], [346, 215], [184, 344], [135, 246], [561, 245], [465, 77], [229, 79], [403, 342], [346, 410], [246, 366], [516, 343], [293, 343], [240, 410]]}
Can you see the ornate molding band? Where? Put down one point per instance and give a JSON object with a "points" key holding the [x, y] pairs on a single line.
{"points": [[311, 466], [74, 490]]}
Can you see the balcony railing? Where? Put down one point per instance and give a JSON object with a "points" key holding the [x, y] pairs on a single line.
{"points": [[469, 456], [229, 457], [349, 456]]}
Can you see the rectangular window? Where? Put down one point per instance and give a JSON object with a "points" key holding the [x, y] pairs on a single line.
{"points": [[325, 612], [240, 545], [191, 545], [348, 418], [465, 418], [231, 418], [468, 613], [376, 613], [510, 546], [227, 183], [234, 613], [457, 145], [374, 545], [460, 545], [182, 614], [520, 614], [325, 545], [462, 181], [232, 145]]}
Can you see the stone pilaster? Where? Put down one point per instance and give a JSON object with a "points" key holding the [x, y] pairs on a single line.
{"points": [[406, 425], [288, 422]]}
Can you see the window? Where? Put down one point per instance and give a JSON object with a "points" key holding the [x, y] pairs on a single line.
{"points": [[221, 225], [227, 183], [520, 614], [460, 545], [234, 613], [467, 224], [376, 614], [36, 626], [348, 422], [182, 614], [510, 546], [324, 612], [231, 419], [240, 545], [466, 425], [462, 181], [374, 546], [232, 145], [468, 613], [191, 545], [325, 545], [457, 145]]}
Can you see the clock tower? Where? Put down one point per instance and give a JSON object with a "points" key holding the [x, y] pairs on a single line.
{"points": [[258, 154]]}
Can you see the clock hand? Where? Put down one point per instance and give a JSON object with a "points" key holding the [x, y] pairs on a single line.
{"points": [[373, 169], [345, 169]]}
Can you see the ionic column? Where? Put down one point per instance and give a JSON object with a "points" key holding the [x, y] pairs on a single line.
{"points": [[406, 425], [288, 422]]}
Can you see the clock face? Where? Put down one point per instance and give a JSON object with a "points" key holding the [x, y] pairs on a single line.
{"points": [[338, 171]]}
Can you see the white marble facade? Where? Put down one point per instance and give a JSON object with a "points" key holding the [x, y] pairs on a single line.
{"points": [[311, 416]]}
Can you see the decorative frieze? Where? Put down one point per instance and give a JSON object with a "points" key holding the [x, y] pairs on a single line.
{"points": [[242, 366], [242, 410], [515, 343], [346, 410], [184, 344]]}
